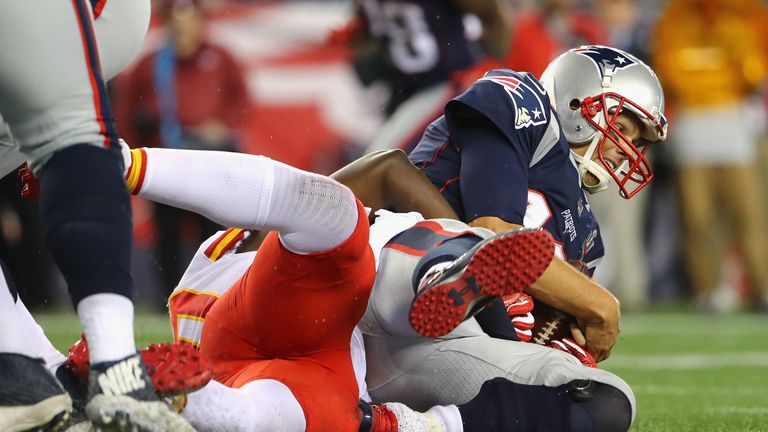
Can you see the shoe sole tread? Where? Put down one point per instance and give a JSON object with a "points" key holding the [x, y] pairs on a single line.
{"points": [[507, 263]]}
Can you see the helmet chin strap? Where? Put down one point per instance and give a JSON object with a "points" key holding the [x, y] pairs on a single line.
{"points": [[587, 165]]}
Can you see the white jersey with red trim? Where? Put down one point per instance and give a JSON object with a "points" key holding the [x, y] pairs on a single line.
{"points": [[214, 268]]}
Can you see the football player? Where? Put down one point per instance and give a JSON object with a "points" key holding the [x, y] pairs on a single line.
{"points": [[420, 49], [53, 67], [511, 152], [277, 324], [274, 397]]}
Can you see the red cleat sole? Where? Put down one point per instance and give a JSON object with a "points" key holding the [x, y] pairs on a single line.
{"points": [[176, 368], [507, 263]]}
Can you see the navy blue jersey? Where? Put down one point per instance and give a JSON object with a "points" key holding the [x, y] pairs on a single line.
{"points": [[424, 41], [499, 151]]}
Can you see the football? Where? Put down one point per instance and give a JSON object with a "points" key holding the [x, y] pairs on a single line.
{"points": [[550, 324]]}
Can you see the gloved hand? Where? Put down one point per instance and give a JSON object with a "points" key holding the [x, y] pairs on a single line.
{"points": [[519, 306], [569, 346]]}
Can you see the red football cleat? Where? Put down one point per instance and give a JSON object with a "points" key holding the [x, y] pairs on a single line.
{"points": [[503, 264], [174, 368]]}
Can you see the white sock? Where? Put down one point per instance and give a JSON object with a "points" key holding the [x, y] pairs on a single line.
{"points": [[449, 416], [262, 405], [107, 320], [437, 419], [312, 212], [20, 333]]}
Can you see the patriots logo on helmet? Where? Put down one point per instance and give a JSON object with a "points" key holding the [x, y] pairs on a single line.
{"points": [[529, 108], [606, 59]]}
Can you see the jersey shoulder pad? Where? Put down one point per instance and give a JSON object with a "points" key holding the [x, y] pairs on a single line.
{"points": [[512, 100]]}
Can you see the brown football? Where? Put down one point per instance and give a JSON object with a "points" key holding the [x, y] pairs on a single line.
{"points": [[550, 324]]}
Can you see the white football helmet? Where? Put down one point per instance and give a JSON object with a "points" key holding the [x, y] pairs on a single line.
{"points": [[588, 87]]}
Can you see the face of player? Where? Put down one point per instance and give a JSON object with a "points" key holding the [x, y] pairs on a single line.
{"points": [[629, 125]]}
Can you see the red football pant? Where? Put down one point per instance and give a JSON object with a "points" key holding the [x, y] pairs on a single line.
{"points": [[290, 318]]}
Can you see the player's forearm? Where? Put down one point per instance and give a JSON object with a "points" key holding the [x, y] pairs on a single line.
{"points": [[408, 189], [564, 287], [569, 290], [388, 180]]}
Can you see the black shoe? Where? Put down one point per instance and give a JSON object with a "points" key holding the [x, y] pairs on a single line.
{"points": [[502, 264], [121, 398], [31, 399], [78, 391]]}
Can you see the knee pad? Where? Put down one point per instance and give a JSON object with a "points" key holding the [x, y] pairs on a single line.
{"points": [[86, 216], [579, 406], [502, 405], [596, 406]]}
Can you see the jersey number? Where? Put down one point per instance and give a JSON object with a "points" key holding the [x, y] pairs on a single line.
{"points": [[538, 214], [412, 46]]}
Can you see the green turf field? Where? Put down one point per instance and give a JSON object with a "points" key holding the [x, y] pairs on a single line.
{"points": [[689, 372]]}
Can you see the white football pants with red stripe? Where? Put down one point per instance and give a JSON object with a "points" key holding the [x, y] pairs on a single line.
{"points": [[54, 59], [421, 372]]}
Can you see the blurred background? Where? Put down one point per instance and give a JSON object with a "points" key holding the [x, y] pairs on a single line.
{"points": [[295, 81], [309, 83]]}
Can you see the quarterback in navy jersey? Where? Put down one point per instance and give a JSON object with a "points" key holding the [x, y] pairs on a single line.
{"points": [[512, 151], [508, 150]]}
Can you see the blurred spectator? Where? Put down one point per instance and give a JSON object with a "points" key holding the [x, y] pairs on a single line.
{"points": [[711, 58], [21, 239], [423, 50], [188, 93], [22, 247], [545, 31]]}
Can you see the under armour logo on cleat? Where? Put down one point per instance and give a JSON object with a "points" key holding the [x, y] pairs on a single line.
{"points": [[458, 296], [122, 378]]}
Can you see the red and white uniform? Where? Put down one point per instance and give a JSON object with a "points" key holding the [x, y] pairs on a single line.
{"points": [[282, 316]]}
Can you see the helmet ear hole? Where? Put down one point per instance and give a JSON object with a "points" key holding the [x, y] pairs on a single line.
{"points": [[574, 104]]}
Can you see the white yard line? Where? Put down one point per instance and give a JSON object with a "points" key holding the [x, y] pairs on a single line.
{"points": [[741, 410], [700, 360], [683, 390]]}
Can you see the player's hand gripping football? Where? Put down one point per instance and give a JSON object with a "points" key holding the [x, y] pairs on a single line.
{"points": [[519, 306], [569, 346], [599, 335]]}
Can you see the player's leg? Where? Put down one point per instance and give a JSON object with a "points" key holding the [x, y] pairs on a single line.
{"points": [[313, 278], [539, 387], [54, 99], [438, 273], [259, 405], [20, 333], [313, 213], [317, 299], [10, 156], [30, 396]]}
